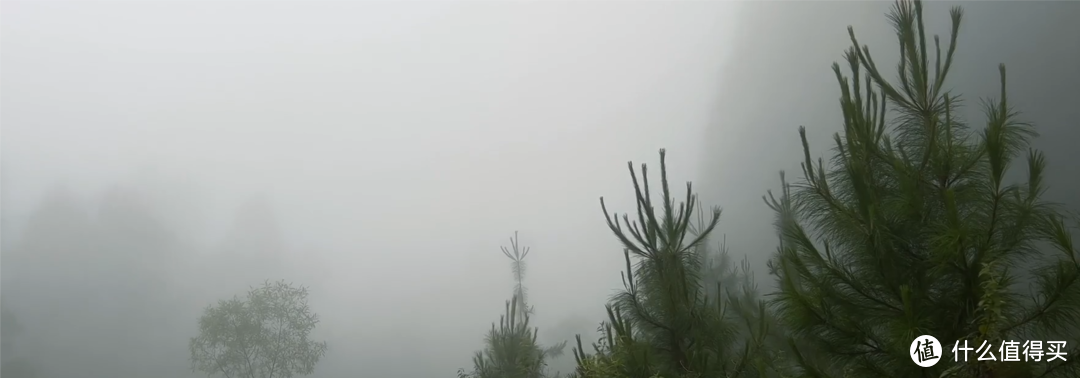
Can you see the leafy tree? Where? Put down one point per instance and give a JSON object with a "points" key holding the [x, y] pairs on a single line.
{"points": [[265, 335], [665, 323], [511, 349], [914, 230]]}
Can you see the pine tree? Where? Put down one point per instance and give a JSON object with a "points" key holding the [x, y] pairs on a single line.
{"points": [[512, 350], [914, 230], [664, 323]]}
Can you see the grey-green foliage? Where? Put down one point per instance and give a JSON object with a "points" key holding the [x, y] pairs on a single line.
{"points": [[912, 229], [665, 323], [511, 348], [264, 335], [516, 253]]}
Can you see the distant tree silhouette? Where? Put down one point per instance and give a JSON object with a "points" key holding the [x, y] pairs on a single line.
{"points": [[252, 249], [96, 273]]}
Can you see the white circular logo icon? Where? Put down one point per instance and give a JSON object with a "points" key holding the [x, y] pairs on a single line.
{"points": [[925, 351]]}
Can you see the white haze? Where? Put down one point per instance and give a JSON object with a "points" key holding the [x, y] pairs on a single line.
{"points": [[399, 144]]}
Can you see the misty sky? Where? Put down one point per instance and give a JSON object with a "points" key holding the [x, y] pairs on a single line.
{"points": [[399, 143]]}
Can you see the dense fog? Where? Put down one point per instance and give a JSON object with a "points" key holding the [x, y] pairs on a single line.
{"points": [[160, 156]]}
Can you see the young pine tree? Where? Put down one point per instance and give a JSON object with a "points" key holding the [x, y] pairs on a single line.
{"points": [[914, 230], [664, 324], [512, 350]]}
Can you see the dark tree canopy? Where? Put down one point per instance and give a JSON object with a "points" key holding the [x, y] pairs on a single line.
{"points": [[911, 228]]}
